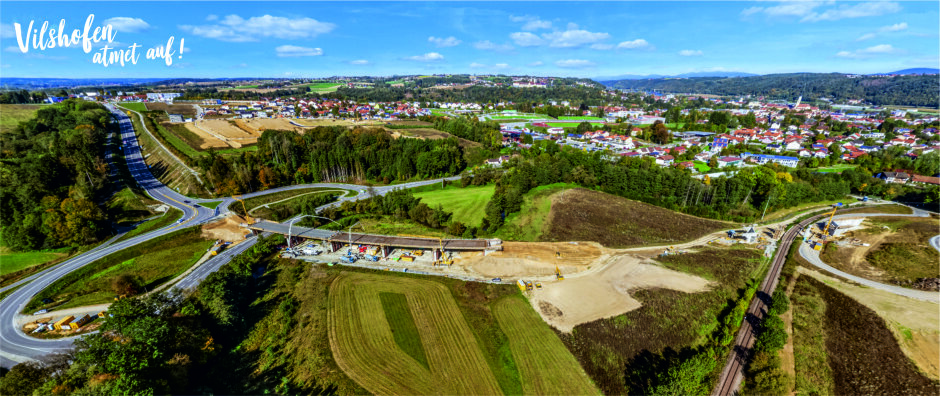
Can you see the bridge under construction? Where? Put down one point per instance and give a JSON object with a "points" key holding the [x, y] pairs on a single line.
{"points": [[386, 243]]}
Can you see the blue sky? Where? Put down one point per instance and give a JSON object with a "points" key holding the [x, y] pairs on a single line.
{"points": [[298, 39]]}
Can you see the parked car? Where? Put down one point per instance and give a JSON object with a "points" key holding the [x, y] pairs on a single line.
{"points": [[40, 312]]}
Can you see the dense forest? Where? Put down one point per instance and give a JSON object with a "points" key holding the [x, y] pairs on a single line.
{"points": [[914, 90], [336, 154], [52, 169]]}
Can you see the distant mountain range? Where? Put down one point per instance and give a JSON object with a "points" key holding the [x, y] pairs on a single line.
{"points": [[683, 75], [918, 70]]}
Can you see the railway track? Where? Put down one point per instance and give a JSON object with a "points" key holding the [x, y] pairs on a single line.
{"points": [[732, 374]]}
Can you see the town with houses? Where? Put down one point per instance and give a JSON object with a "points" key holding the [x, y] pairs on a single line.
{"points": [[697, 151]]}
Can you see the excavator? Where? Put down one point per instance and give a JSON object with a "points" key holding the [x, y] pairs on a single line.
{"points": [[248, 218], [446, 259], [558, 274]]}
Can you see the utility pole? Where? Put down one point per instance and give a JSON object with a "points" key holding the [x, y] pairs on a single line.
{"points": [[765, 208]]}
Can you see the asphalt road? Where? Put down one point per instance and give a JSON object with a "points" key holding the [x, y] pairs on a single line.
{"points": [[16, 346], [935, 242]]}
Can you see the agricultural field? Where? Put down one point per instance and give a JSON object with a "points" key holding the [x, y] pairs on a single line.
{"points": [[518, 117], [363, 344], [586, 215], [843, 347], [467, 204], [324, 87], [12, 115], [545, 365], [186, 110], [899, 251], [149, 264]]}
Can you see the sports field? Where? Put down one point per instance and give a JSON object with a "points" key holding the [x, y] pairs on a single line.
{"points": [[467, 204], [571, 124], [518, 117], [364, 345], [580, 118], [545, 365]]}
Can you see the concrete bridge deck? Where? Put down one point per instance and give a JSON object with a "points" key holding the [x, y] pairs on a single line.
{"points": [[377, 240]]}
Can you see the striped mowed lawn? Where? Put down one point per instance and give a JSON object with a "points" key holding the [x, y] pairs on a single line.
{"points": [[365, 348], [468, 204], [545, 364]]}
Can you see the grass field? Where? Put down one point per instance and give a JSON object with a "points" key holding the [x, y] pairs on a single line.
{"points": [[580, 118], [619, 222], [12, 114], [17, 261], [324, 87], [167, 218], [155, 262], [246, 86], [363, 344], [126, 207], [467, 204], [211, 205], [528, 224], [518, 117], [402, 324], [571, 124], [836, 168], [260, 200], [136, 106], [701, 166], [545, 365]]}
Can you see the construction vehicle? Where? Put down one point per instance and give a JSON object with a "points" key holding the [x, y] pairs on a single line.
{"points": [[538, 285], [825, 232], [348, 259], [521, 284], [370, 257], [248, 218], [407, 258], [558, 274], [557, 254]]}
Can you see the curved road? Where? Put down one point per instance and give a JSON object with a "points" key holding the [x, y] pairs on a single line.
{"points": [[16, 346], [812, 256]]}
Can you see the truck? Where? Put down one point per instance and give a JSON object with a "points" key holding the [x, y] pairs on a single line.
{"points": [[370, 257], [348, 259], [407, 258]]}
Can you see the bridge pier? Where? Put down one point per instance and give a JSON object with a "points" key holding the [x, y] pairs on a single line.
{"points": [[438, 254], [386, 251], [334, 246]]}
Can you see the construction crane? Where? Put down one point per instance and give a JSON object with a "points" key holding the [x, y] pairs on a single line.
{"points": [[558, 274], [825, 232], [247, 217]]}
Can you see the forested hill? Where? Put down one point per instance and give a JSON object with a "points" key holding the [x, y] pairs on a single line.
{"points": [[915, 90], [52, 169]]}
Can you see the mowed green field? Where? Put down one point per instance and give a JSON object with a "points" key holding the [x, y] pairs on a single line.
{"points": [[324, 87], [545, 365], [467, 204], [11, 262], [12, 115], [571, 124], [581, 118], [364, 346], [154, 262], [136, 106], [396, 334]]}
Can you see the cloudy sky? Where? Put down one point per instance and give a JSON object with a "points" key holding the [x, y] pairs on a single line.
{"points": [[252, 39]]}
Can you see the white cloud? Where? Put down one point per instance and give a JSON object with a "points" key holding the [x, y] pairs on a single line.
{"points": [[428, 57], [601, 46], [491, 46], [808, 11], [359, 62], [633, 44], [858, 10], [526, 39], [866, 36], [501, 66], [690, 52], [211, 17], [237, 29], [286, 51], [573, 37], [475, 65], [536, 64], [127, 25], [897, 27], [575, 63], [441, 42], [531, 22], [881, 49], [6, 31]]}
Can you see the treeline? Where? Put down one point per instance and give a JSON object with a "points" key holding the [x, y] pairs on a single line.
{"points": [[401, 204], [331, 154], [159, 344], [52, 169], [737, 198], [914, 90], [22, 96]]}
